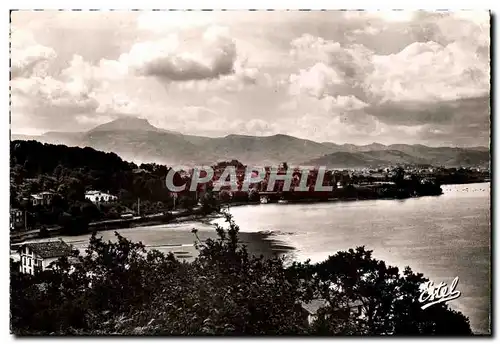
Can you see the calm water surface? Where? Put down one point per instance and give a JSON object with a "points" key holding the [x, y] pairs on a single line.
{"points": [[442, 236]]}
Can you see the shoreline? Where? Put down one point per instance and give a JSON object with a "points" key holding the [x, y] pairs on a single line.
{"points": [[264, 243], [186, 216], [111, 225]]}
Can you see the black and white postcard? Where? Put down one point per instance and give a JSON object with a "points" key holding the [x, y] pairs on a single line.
{"points": [[249, 173]]}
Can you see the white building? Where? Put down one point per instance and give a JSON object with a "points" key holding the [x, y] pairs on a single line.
{"points": [[37, 256], [42, 198], [99, 197]]}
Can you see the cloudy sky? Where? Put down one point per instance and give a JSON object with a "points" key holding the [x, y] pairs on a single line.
{"points": [[344, 77]]}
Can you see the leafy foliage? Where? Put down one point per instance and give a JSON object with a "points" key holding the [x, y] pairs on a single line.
{"points": [[71, 171], [121, 288]]}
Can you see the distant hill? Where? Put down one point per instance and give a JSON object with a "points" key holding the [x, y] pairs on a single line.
{"points": [[364, 159], [126, 124], [137, 140], [144, 146], [449, 157], [21, 137], [54, 137], [263, 150], [131, 124]]}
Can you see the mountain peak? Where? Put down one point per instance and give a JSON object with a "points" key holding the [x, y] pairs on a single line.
{"points": [[127, 123]]}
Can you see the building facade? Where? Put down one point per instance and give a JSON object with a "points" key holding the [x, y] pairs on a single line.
{"points": [[37, 257], [17, 219], [42, 198], [99, 197]]}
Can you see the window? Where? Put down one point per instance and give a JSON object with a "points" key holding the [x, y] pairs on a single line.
{"points": [[24, 270], [40, 263], [24, 260], [29, 261]]}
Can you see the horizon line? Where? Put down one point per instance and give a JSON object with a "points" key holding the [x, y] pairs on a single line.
{"points": [[261, 136]]}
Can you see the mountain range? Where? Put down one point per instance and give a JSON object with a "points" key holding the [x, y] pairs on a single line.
{"points": [[137, 140]]}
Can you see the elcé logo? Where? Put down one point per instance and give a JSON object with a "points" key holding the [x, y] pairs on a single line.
{"points": [[432, 294]]}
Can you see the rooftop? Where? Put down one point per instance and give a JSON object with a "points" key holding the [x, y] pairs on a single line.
{"points": [[312, 306], [49, 249], [96, 192], [92, 192], [40, 195]]}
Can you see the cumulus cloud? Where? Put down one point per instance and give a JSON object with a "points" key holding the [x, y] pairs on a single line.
{"points": [[444, 83], [79, 92], [204, 59], [26, 54], [243, 76], [331, 69], [38, 98], [175, 58], [72, 92], [429, 71], [421, 71], [196, 51], [43, 100], [377, 76], [318, 81]]}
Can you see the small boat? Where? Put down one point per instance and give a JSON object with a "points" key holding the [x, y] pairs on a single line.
{"points": [[283, 201]]}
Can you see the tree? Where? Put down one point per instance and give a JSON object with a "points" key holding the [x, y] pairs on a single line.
{"points": [[399, 176], [225, 196], [389, 301], [253, 195], [209, 203], [119, 287], [186, 202]]}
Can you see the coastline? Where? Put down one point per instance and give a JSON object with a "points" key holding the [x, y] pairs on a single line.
{"points": [[258, 243], [112, 225], [184, 216], [178, 239]]}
